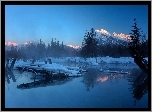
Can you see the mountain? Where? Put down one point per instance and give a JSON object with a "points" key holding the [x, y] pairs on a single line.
{"points": [[7, 48], [72, 46], [108, 39]]}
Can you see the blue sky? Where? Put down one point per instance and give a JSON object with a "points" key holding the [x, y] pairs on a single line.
{"points": [[68, 23]]}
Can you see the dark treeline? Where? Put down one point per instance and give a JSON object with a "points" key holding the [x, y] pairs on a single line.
{"points": [[91, 47], [138, 48], [39, 50], [94, 47]]}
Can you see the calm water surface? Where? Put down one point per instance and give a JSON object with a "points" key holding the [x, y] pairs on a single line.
{"points": [[92, 90]]}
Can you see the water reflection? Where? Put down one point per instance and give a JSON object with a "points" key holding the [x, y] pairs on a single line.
{"points": [[138, 80], [43, 82], [105, 77], [89, 78], [139, 85], [97, 90], [9, 75], [94, 75]]}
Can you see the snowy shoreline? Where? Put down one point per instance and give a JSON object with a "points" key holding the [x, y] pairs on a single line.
{"points": [[106, 59], [102, 63], [81, 61]]}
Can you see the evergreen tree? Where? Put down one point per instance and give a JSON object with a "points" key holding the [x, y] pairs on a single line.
{"points": [[48, 50], [89, 44], [134, 44], [135, 48], [13, 52]]}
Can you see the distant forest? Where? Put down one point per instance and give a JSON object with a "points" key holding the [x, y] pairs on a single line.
{"points": [[90, 48]]}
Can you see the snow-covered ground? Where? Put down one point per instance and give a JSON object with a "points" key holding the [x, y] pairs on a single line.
{"points": [[54, 67], [107, 60], [146, 58], [81, 62]]}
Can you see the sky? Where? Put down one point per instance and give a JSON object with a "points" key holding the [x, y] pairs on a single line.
{"points": [[68, 23]]}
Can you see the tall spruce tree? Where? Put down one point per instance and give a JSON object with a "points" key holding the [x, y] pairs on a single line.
{"points": [[134, 44], [135, 48], [89, 44]]}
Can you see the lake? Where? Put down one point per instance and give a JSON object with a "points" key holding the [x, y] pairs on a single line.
{"points": [[94, 89]]}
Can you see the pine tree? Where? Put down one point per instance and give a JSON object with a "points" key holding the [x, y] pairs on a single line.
{"points": [[134, 45], [135, 48], [89, 44]]}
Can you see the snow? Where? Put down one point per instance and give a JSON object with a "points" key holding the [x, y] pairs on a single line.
{"points": [[92, 61], [75, 71], [146, 59], [111, 60], [54, 67], [118, 72]]}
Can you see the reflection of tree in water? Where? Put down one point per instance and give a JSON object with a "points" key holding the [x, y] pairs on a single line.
{"points": [[139, 84], [40, 79], [89, 79], [45, 81], [8, 71], [134, 74]]}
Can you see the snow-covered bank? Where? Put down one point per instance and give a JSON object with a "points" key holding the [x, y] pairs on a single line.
{"points": [[106, 59], [146, 58], [53, 68], [92, 61], [81, 62]]}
